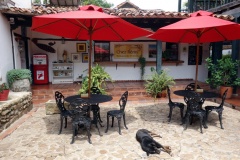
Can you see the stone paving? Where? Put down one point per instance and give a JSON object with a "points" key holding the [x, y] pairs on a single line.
{"points": [[37, 137]]}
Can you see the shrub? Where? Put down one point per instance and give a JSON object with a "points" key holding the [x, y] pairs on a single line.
{"points": [[17, 74]]}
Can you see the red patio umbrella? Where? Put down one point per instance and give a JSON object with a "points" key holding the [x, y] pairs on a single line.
{"points": [[89, 23], [201, 27]]}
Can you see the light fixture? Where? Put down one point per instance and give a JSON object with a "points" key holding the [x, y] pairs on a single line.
{"points": [[63, 40]]}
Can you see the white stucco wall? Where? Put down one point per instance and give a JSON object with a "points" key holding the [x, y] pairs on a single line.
{"points": [[123, 71], [22, 3], [69, 46], [6, 59]]}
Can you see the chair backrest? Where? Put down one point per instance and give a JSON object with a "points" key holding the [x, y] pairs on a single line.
{"points": [[168, 92], [193, 105], [60, 101], [223, 98], [123, 101], [192, 95], [79, 108], [95, 90], [191, 87]]}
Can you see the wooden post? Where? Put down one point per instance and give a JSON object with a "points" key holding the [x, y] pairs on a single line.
{"points": [[179, 5], [197, 64], [89, 60]]}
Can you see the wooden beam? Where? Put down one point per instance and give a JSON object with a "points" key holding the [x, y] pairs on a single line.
{"points": [[58, 3]]}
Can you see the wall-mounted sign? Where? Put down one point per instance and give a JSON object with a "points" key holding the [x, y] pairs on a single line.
{"points": [[128, 50]]}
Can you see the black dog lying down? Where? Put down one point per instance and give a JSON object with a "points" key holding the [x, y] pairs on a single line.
{"points": [[148, 144]]}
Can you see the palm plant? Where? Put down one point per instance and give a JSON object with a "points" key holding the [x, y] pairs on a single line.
{"points": [[98, 77]]}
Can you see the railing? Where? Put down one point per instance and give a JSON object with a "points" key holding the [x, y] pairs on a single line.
{"points": [[196, 5]]}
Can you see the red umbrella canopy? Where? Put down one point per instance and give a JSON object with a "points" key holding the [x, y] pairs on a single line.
{"points": [[78, 25], [201, 24]]}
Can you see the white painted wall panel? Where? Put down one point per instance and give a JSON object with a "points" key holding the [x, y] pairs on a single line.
{"points": [[22, 3], [6, 48]]}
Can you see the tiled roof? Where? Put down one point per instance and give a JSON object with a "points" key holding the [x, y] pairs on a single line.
{"points": [[40, 10]]}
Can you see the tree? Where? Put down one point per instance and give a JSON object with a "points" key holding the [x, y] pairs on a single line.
{"points": [[100, 3]]}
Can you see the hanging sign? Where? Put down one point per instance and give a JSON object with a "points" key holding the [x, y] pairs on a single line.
{"points": [[128, 50]]}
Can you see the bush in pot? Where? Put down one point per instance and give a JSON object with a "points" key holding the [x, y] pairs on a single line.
{"points": [[223, 74], [19, 80], [98, 76], [4, 89], [158, 83]]}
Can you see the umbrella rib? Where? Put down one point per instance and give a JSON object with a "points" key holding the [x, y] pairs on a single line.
{"points": [[95, 24], [183, 36], [220, 34], [207, 30], [80, 29], [48, 24], [113, 30], [83, 25], [106, 26]]}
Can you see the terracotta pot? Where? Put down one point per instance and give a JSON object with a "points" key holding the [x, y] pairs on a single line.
{"points": [[229, 93], [4, 95], [163, 94]]}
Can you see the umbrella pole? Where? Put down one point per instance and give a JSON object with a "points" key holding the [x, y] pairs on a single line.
{"points": [[197, 64], [89, 67]]}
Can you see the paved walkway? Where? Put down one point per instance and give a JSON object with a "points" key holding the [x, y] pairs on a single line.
{"points": [[37, 138]]}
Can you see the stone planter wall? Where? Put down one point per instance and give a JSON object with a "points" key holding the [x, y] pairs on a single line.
{"points": [[21, 85], [18, 104], [51, 107]]}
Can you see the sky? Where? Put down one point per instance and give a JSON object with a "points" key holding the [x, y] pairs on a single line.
{"points": [[166, 5]]}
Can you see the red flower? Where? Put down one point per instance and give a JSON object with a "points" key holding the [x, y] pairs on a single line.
{"points": [[2, 85]]}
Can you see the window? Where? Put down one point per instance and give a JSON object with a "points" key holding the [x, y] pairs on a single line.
{"points": [[173, 51], [101, 51]]}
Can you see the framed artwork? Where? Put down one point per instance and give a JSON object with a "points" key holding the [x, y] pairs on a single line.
{"points": [[75, 57], [81, 47], [84, 57], [152, 51]]}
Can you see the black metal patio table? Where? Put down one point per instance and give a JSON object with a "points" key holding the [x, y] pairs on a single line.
{"points": [[205, 94], [95, 98]]}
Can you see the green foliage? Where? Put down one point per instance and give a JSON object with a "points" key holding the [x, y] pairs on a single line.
{"points": [[226, 56], [100, 3], [142, 61], [223, 73], [17, 74], [3, 86], [39, 1], [156, 83], [98, 76], [166, 55]]}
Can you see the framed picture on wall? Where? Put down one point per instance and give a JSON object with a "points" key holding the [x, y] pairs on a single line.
{"points": [[81, 47], [152, 51], [75, 57], [84, 57]]}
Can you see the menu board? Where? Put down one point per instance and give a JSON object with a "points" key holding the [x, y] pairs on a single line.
{"points": [[192, 55]]}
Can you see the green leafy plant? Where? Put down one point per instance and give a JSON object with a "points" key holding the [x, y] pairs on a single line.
{"points": [[98, 77], [156, 83], [226, 56], [223, 73], [142, 61], [3, 86], [17, 74], [166, 54]]}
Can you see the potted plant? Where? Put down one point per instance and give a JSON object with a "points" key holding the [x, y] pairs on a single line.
{"points": [[98, 76], [19, 80], [157, 83], [4, 89], [223, 74], [165, 55], [142, 61]]}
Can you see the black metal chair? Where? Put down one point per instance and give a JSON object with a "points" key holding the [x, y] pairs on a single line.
{"points": [[194, 108], [173, 105], [95, 107], [118, 113], [218, 109], [191, 86], [192, 95], [80, 110], [64, 113]]}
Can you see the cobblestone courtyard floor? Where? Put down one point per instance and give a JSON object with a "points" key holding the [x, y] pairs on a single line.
{"points": [[37, 137]]}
